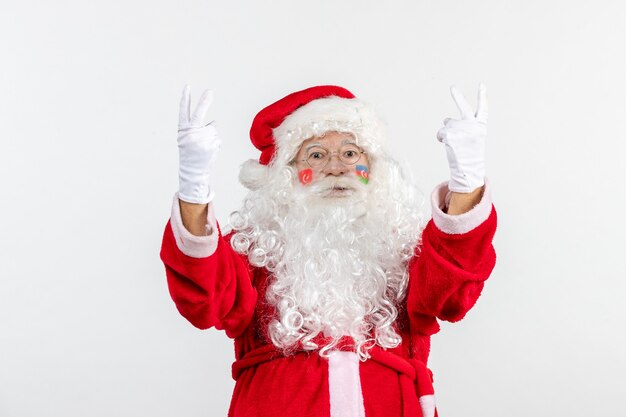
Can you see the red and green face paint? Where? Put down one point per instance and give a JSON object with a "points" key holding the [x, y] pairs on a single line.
{"points": [[305, 176], [363, 173]]}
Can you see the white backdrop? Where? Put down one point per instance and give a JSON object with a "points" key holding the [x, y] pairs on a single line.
{"points": [[88, 112]]}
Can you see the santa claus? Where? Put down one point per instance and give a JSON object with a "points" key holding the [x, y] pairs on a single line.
{"points": [[329, 280]]}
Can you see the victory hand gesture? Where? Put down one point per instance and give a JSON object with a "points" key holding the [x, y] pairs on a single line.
{"points": [[465, 142], [198, 145]]}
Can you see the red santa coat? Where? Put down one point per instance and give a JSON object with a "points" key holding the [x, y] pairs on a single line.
{"points": [[214, 286]]}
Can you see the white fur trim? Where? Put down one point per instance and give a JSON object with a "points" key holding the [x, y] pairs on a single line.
{"points": [[459, 223], [253, 174], [344, 384], [329, 114], [427, 404], [189, 244]]}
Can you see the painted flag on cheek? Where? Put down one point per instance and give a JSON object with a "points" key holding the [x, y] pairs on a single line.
{"points": [[363, 173], [305, 176]]}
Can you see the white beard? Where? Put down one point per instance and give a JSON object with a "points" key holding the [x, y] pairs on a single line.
{"points": [[338, 267]]}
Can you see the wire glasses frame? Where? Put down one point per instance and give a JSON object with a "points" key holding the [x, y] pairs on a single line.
{"points": [[319, 157]]}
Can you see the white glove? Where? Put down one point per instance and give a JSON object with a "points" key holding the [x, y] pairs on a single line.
{"points": [[465, 142], [198, 145]]}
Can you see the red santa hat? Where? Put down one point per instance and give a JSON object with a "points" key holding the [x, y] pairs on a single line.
{"points": [[280, 128]]}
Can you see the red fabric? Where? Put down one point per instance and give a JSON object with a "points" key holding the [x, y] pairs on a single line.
{"points": [[415, 379], [446, 278], [273, 115]]}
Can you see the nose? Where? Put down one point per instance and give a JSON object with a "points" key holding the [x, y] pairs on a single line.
{"points": [[335, 167]]}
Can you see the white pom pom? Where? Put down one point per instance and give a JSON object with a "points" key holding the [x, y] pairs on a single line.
{"points": [[253, 175]]}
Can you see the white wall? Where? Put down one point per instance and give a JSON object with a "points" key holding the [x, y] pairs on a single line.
{"points": [[88, 165]]}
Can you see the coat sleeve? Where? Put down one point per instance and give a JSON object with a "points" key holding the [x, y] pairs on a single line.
{"points": [[209, 282], [453, 261]]}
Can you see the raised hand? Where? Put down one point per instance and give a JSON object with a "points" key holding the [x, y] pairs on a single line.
{"points": [[198, 145], [465, 142]]}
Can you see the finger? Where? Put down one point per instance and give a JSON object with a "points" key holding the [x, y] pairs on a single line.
{"points": [[185, 106], [461, 103], [482, 112], [203, 104], [441, 135]]}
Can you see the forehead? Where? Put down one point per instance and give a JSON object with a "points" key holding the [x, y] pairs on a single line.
{"points": [[329, 140]]}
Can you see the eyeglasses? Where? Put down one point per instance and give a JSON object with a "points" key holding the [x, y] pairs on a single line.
{"points": [[318, 157]]}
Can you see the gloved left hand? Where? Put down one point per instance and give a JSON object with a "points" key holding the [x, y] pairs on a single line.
{"points": [[465, 142]]}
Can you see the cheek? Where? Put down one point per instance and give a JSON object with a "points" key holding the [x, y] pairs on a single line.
{"points": [[363, 173], [305, 176]]}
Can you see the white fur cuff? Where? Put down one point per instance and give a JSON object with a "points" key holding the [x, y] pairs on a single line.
{"points": [[189, 244], [459, 223]]}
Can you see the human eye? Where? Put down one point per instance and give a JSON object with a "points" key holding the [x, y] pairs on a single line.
{"points": [[317, 154], [350, 152]]}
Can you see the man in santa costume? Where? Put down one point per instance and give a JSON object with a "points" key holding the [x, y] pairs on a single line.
{"points": [[330, 281]]}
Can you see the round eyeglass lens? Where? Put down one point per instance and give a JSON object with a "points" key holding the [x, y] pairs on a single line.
{"points": [[319, 157]]}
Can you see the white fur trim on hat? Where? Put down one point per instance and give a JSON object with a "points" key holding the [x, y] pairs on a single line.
{"points": [[253, 175], [329, 114]]}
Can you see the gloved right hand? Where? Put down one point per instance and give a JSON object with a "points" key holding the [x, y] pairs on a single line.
{"points": [[198, 145]]}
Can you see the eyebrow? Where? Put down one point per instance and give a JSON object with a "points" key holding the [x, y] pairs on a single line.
{"points": [[312, 145], [345, 142]]}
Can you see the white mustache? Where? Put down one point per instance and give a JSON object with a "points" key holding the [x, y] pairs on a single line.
{"points": [[324, 186]]}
